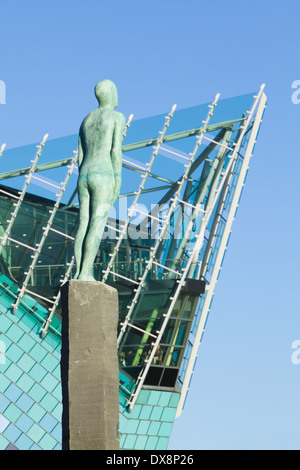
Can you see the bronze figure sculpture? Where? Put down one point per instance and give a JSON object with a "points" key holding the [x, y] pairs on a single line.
{"points": [[99, 181]]}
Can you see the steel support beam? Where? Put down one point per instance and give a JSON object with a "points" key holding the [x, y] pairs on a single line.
{"points": [[125, 148]]}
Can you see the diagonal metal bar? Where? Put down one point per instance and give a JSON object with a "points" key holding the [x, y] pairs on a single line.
{"points": [[139, 192], [200, 196], [233, 157], [192, 258], [52, 310], [142, 376], [45, 234], [223, 246], [2, 148], [197, 162], [167, 218], [125, 148], [181, 135], [22, 193]]}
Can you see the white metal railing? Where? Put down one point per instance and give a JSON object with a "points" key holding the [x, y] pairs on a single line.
{"points": [[22, 193], [151, 261], [46, 230], [138, 193], [2, 148], [260, 102], [166, 220]]}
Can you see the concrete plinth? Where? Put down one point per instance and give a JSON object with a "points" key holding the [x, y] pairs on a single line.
{"points": [[89, 366]]}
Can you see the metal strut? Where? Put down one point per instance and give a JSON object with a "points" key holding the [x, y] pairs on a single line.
{"points": [[141, 187], [233, 157], [2, 149], [46, 230], [166, 220], [211, 174], [261, 99], [151, 261], [125, 148], [47, 323], [22, 193]]}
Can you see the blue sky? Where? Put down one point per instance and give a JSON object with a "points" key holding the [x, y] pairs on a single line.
{"points": [[245, 390]]}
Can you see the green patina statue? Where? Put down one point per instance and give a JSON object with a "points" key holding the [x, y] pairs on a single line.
{"points": [[99, 181]]}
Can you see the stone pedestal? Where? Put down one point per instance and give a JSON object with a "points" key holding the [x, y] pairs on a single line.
{"points": [[89, 366]]}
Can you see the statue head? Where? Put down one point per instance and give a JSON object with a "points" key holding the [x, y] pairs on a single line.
{"points": [[106, 93]]}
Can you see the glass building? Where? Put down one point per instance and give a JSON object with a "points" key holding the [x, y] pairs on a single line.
{"points": [[163, 248]]}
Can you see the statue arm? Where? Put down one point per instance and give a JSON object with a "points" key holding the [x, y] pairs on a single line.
{"points": [[116, 154], [80, 152]]}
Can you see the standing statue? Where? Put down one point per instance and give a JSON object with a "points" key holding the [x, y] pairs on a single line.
{"points": [[99, 181]]}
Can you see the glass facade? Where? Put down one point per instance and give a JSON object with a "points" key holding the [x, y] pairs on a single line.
{"points": [[151, 253], [50, 270]]}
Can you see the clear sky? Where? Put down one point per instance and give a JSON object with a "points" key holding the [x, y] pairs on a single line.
{"points": [[245, 390]]}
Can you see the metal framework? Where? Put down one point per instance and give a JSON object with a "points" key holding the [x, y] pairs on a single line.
{"points": [[2, 149], [260, 103], [147, 172], [205, 198], [46, 230], [22, 194]]}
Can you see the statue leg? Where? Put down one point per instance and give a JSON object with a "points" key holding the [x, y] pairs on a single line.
{"points": [[84, 201], [101, 190]]}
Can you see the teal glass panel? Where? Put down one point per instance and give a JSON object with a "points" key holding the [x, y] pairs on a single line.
{"points": [[156, 413], [13, 372], [4, 383], [25, 382], [131, 426], [146, 412], [36, 412], [165, 398], [26, 343], [57, 412], [168, 414], [3, 442], [26, 362], [140, 443], [151, 443], [24, 402], [154, 397], [4, 422], [13, 392], [12, 413], [162, 443], [154, 428], [49, 402], [24, 442], [4, 403], [47, 442], [57, 434], [37, 392], [36, 433], [143, 427], [129, 441], [24, 423], [15, 333], [165, 429]]}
